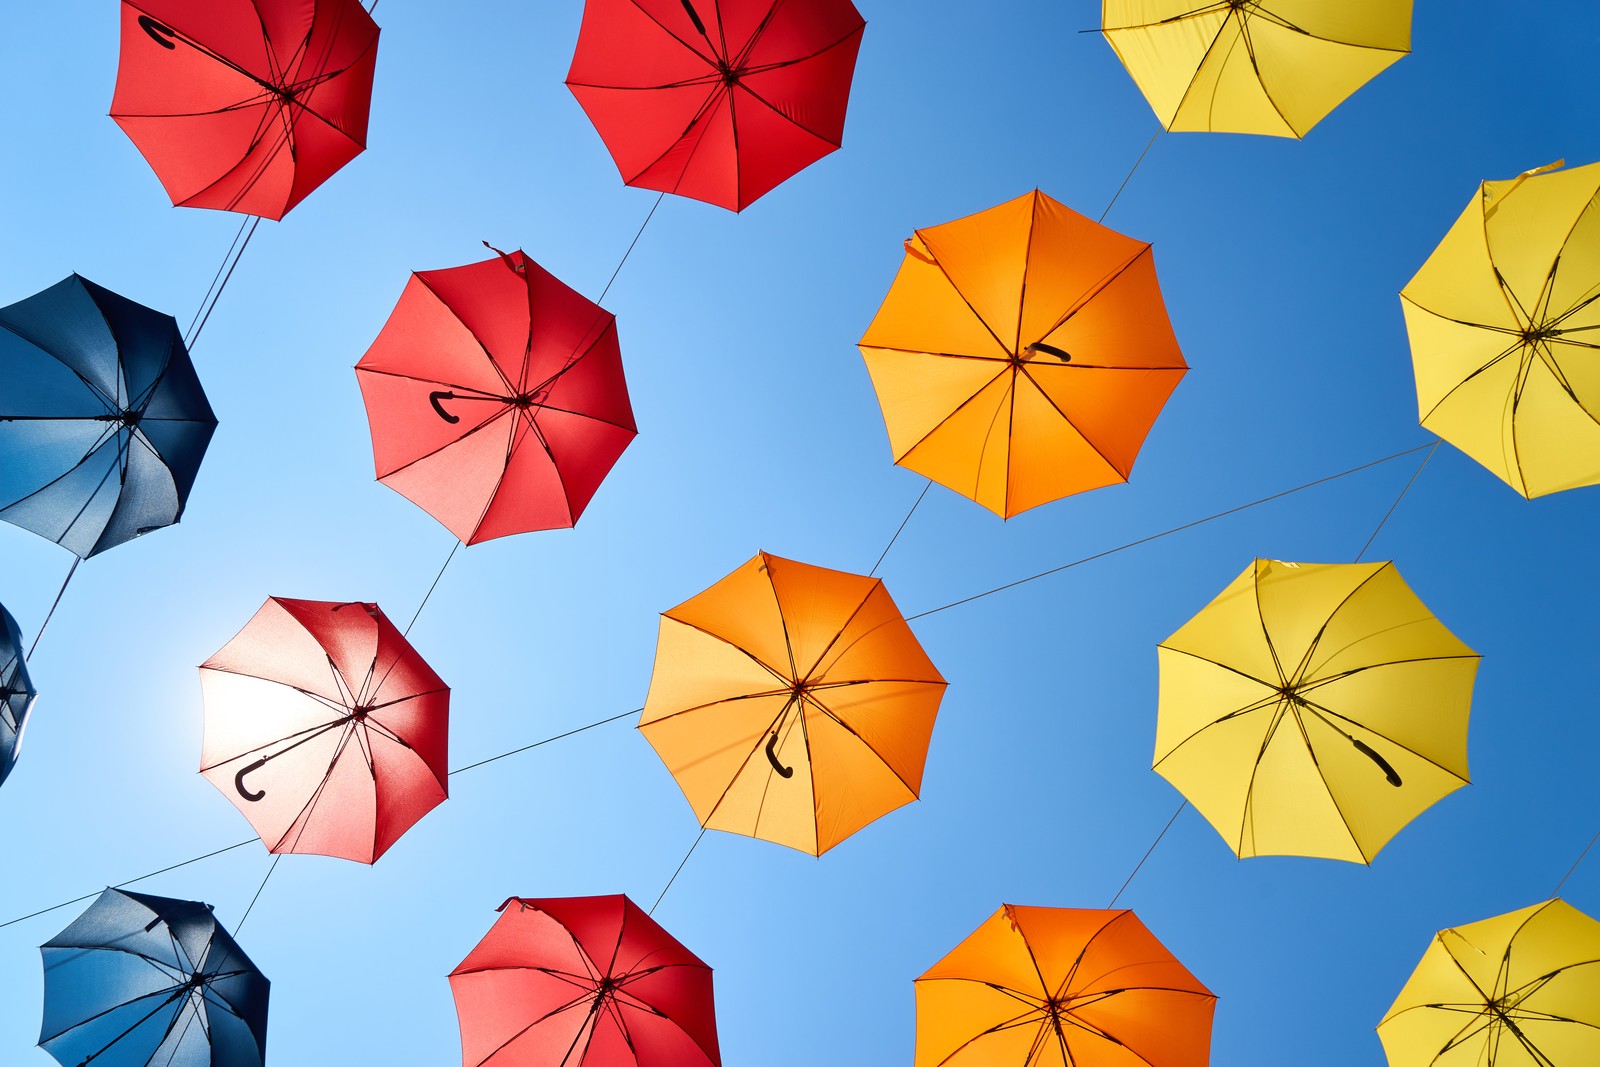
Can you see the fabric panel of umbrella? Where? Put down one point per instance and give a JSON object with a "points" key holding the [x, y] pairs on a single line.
{"points": [[245, 105], [719, 101], [1022, 354], [325, 728], [16, 692], [1314, 709], [103, 423], [139, 979]]}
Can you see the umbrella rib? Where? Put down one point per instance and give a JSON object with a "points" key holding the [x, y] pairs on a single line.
{"points": [[1000, 1027], [710, 60], [487, 355], [453, 441], [109, 403], [303, 816], [721, 700], [787, 681], [1089, 295], [1004, 369], [828, 713], [1322, 711], [934, 256], [1204, 57], [170, 994], [769, 67], [1026, 373], [1250, 50], [1344, 602]]}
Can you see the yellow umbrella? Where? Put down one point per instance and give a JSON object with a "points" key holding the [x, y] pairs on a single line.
{"points": [[791, 703], [1272, 67], [1313, 709], [1504, 320], [1518, 990]]}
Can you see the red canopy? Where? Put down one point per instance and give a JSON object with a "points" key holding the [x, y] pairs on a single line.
{"points": [[496, 398], [325, 728], [737, 94], [583, 982], [245, 105]]}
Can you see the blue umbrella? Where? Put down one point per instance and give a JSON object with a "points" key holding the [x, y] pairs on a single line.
{"points": [[16, 692], [139, 979], [102, 420]]}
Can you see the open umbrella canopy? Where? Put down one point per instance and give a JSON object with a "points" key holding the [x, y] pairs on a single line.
{"points": [[1274, 67], [16, 692], [1504, 321], [1062, 987], [1518, 990], [583, 982], [102, 421], [1022, 354], [245, 105], [719, 100], [496, 398], [325, 728], [141, 980], [1313, 709], [791, 703]]}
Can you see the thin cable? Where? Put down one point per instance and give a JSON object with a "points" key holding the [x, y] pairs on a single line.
{"points": [[1397, 500], [119, 885], [1129, 178], [873, 572], [546, 741], [53, 604], [407, 631], [257, 897], [631, 243], [1575, 863], [1147, 852], [220, 268], [677, 872], [1168, 533], [190, 341]]}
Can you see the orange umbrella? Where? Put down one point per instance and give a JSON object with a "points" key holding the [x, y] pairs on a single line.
{"points": [[1022, 354], [791, 703], [1062, 987]]}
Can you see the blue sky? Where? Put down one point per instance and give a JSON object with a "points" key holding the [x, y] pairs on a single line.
{"points": [[1280, 262]]}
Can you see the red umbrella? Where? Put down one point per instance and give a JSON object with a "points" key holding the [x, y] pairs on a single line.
{"points": [[496, 398], [325, 728], [245, 105], [583, 982], [737, 94]]}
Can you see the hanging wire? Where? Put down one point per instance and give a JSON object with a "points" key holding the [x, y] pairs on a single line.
{"points": [[120, 885], [1396, 504], [1129, 177], [407, 631], [53, 604], [677, 872], [257, 897], [214, 293], [546, 741], [1152, 848], [874, 571], [1592, 842]]}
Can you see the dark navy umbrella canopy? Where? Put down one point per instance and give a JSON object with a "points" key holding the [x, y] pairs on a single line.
{"points": [[16, 692], [102, 420], [139, 980]]}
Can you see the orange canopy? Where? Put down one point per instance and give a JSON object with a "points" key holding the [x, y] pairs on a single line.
{"points": [[1062, 987], [1022, 354], [791, 703]]}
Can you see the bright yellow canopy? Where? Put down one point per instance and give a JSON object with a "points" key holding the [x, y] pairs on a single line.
{"points": [[791, 703], [1519, 990], [1022, 354], [1313, 709], [1504, 320], [1272, 67]]}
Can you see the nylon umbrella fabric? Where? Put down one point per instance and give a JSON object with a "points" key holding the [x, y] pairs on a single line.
{"points": [[16, 692], [1504, 323], [496, 398], [325, 728], [1062, 987], [142, 980], [1022, 354], [583, 982], [103, 423], [1518, 990], [245, 105], [1273, 67], [791, 703], [1314, 709], [718, 100]]}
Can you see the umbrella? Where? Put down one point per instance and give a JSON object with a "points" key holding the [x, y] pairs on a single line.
{"points": [[16, 692], [1518, 990], [719, 100], [791, 703], [139, 979], [1022, 354], [1274, 67], [245, 105], [325, 728], [1313, 709], [577, 981], [1061, 987], [496, 398], [1504, 321], [102, 420]]}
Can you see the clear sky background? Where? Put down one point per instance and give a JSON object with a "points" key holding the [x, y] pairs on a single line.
{"points": [[1280, 262]]}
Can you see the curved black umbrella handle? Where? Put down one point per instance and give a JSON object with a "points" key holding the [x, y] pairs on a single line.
{"points": [[161, 35], [772, 757], [443, 394], [1388, 771], [699, 26], [1051, 350], [238, 780]]}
